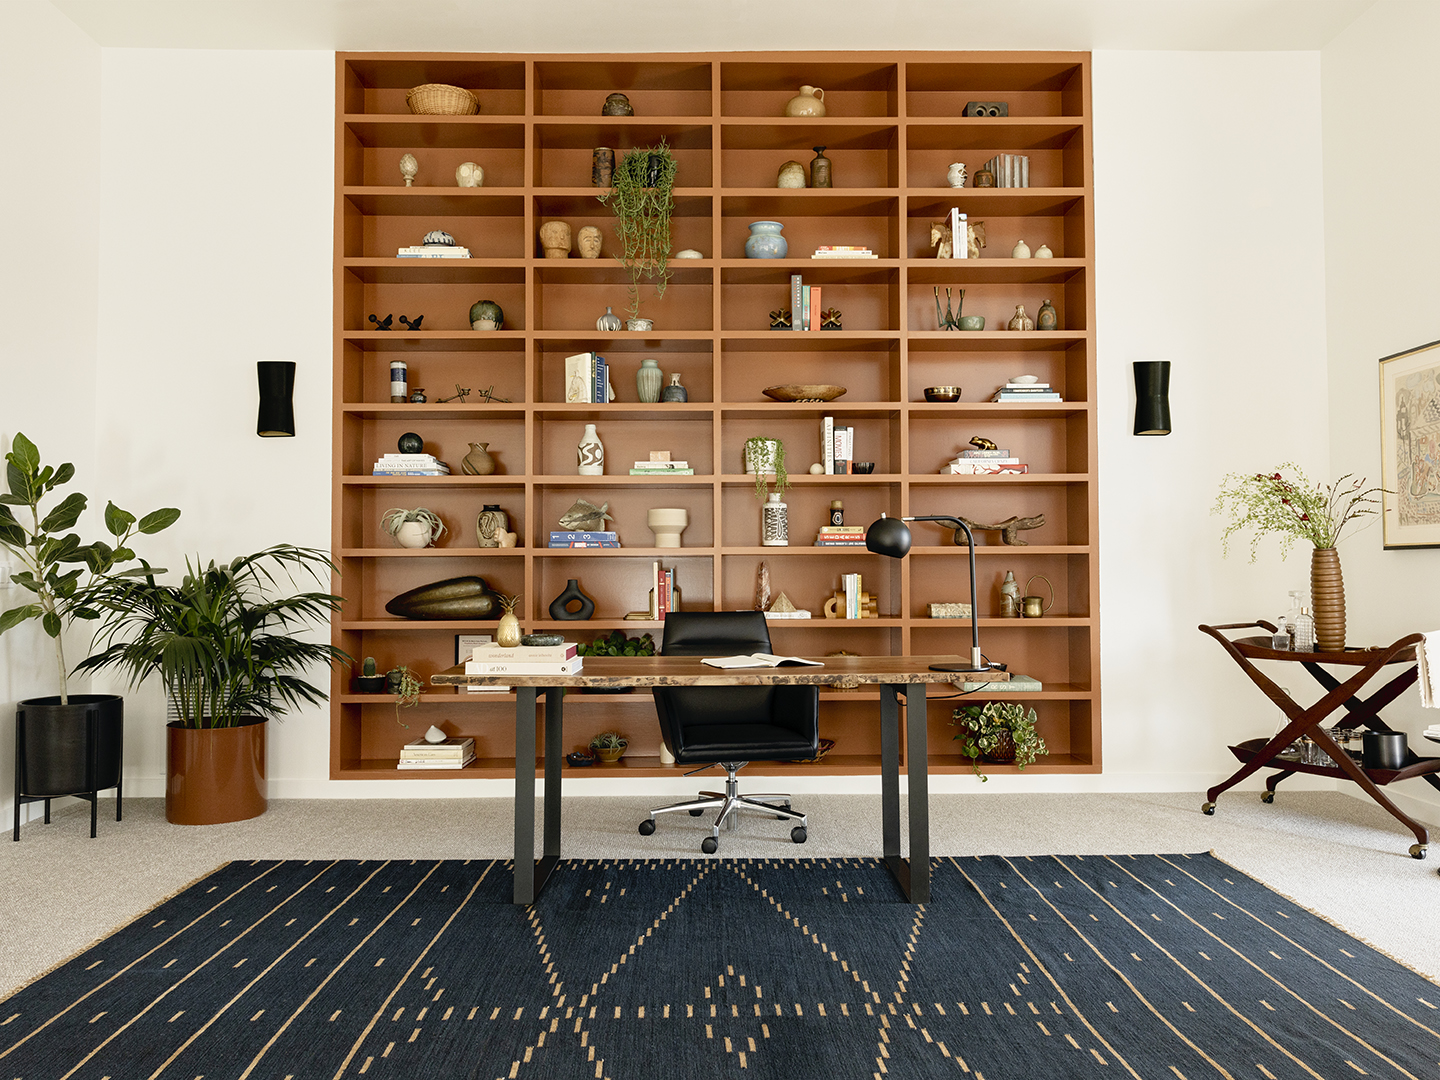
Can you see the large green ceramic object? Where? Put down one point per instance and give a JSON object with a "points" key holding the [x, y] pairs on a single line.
{"points": [[453, 598]]}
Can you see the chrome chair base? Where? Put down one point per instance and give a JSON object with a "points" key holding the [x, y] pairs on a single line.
{"points": [[731, 805]]}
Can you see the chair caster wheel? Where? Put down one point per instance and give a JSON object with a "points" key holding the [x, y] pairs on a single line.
{"points": [[696, 813], [798, 834], [647, 827], [1208, 809], [710, 845], [1417, 851], [1267, 797]]}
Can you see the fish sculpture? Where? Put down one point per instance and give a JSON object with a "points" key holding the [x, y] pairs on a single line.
{"points": [[585, 517]]}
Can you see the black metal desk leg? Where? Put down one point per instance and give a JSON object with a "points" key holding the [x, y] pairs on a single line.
{"points": [[917, 766], [524, 794], [890, 772], [554, 743]]}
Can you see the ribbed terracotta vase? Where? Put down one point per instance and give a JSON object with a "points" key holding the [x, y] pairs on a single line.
{"points": [[1327, 591]]}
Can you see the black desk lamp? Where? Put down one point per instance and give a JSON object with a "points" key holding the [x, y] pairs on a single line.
{"points": [[891, 536]]}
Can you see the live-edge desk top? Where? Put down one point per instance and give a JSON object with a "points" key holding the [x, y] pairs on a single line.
{"points": [[844, 672]]}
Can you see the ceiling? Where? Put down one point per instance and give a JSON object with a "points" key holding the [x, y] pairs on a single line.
{"points": [[713, 25]]}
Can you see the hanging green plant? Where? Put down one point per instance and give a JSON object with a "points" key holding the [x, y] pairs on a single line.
{"points": [[641, 199]]}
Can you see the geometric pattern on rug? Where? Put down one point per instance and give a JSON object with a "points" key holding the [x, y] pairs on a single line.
{"points": [[1143, 966]]}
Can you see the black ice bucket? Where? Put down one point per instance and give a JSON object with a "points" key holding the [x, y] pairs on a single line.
{"points": [[1384, 749]]}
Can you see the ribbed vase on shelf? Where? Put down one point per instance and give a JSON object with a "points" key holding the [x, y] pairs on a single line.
{"points": [[1327, 591]]}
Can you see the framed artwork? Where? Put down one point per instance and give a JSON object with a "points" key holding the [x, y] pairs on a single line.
{"points": [[1410, 446]]}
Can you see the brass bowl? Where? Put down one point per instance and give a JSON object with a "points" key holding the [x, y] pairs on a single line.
{"points": [[804, 392], [942, 393]]}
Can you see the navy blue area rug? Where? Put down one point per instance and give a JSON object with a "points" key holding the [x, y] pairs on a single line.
{"points": [[1150, 966]]}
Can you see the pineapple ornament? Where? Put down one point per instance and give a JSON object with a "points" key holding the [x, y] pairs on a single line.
{"points": [[507, 631]]}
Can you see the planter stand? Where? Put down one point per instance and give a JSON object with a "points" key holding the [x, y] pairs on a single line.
{"points": [[93, 711]]}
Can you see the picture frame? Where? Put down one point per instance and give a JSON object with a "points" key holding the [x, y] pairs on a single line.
{"points": [[1410, 446], [465, 645]]}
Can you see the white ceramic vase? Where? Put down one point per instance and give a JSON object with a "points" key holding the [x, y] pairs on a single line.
{"points": [[591, 453], [667, 523], [955, 175]]}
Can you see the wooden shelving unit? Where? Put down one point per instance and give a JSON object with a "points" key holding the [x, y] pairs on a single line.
{"points": [[894, 125]]}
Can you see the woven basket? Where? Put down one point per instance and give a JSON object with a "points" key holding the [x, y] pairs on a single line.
{"points": [[437, 99]]}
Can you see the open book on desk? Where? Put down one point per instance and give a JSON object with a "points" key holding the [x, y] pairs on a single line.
{"points": [[760, 659]]}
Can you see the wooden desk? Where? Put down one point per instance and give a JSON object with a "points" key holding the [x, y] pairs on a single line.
{"points": [[1256, 754], [895, 675]]}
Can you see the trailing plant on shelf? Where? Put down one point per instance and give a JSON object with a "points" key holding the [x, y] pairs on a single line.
{"points": [[44, 547], [1294, 509], [642, 199], [406, 686], [767, 456], [220, 640], [1000, 732]]}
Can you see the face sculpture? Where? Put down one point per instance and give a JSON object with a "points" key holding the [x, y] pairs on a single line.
{"points": [[588, 240]]}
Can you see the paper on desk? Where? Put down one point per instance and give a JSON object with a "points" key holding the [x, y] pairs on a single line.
{"points": [[1428, 669]]}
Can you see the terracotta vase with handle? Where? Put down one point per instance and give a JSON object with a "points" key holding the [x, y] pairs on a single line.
{"points": [[1327, 592]]}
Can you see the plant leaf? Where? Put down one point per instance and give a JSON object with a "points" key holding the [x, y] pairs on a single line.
{"points": [[11, 533], [63, 474], [66, 514], [16, 615], [117, 520], [19, 483], [26, 455], [51, 622], [13, 500], [156, 520]]}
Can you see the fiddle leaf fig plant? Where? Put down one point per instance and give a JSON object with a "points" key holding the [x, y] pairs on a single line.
{"points": [[55, 565]]}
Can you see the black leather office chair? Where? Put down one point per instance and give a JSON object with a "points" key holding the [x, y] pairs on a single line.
{"points": [[731, 725]]}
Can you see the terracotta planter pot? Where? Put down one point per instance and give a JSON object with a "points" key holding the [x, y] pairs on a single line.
{"points": [[214, 775], [1327, 591]]}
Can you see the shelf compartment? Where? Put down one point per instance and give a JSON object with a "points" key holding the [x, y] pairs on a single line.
{"points": [[379, 82], [566, 88], [606, 270], [988, 271], [391, 271], [622, 133], [569, 342], [766, 203], [995, 202], [399, 131], [435, 340], [995, 340], [795, 134], [434, 411], [1010, 133], [436, 200], [628, 505], [569, 200]]}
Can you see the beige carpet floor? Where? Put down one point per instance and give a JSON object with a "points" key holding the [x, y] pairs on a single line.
{"points": [[1340, 857]]}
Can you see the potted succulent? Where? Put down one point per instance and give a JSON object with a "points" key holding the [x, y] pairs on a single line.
{"points": [[406, 686], [222, 642], [765, 457], [60, 571], [608, 746], [641, 197], [1000, 732], [1296, 509], [416, 528]]}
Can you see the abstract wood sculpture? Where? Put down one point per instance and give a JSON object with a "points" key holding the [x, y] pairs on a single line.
{"points": [[1009, 529]]}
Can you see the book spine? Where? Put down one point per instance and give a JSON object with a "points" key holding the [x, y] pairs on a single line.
{"points": [[796, 302], [568, 667], [959, 249], [827, 442], [604, 381], [597, 535], [983, 454], [410, 472], [814, 321], [527, 653], [662, 472], [588, 544], [420, 755], [654, 590], [967, 469]]}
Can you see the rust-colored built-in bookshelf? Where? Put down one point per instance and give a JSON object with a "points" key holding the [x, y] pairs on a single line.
{"points": [[894, 125]]}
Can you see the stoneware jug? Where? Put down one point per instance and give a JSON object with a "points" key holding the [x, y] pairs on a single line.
{"points": [[765, 241], [809, 102], [590, 453], [674, 392], [648, 380], [478, 462], [791, 175]]}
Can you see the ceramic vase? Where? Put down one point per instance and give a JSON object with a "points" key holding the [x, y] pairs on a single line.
{"points": [[413, 534], [644, 326], [955, 175], [1021, 250], [761, 456], [809, 102], [1045, 318], [774, 523], [591, 453], [555, 239], [560, 612], [490, 526], [674, 392], [820, 169], [648, 380], [1327, 590], [617, 104], [486, 315], [667, 523], [608, 321], [765, 241], [791, 175], [478, 462]]}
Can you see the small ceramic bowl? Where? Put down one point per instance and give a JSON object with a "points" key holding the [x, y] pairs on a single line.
{"points": [[579, 759], [863, 467], [942, 393], [972, 322]]}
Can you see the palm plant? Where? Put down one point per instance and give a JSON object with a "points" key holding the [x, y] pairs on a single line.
{"points": [[219, 641]]}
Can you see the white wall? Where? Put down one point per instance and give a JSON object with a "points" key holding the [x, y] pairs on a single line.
{"points": [[50, 190], [215, 250], [1380, 90]]}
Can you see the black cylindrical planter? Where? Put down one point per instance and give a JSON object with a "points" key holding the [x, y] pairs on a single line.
{"points": [[1152, 397], [1385, 749], [53, 753]]}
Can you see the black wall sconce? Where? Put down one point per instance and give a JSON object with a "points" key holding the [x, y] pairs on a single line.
{"points": [[277, 405], [1152, 397]]}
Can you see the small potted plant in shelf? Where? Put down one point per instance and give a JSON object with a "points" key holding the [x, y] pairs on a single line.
{"points": [[764, 458], [406, 686], [641, 199], [1000, 732], [416, 528], [608, 746]]}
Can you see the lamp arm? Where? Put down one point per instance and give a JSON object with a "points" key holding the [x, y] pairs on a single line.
{"points": [[975, 661]]}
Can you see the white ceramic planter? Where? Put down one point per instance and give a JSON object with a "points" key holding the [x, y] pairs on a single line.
{"points": [[667, 523], [413, 534]]}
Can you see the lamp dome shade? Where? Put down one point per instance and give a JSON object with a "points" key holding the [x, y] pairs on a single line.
{"points": [[277, 409], [888, 536]]}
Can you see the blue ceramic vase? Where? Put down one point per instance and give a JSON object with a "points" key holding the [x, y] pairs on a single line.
{"points": [[765, 241]]}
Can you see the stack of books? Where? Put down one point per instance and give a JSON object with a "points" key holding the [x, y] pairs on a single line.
{"points": [[658, 468], [840, 536], [570, 539], [851, 585], [1009, 170], [1035, 391], [494, 659], [842, 251], [454, 753], [662, 591], [984, 463], [837, 446], [587, 379], [433, 251], [409, 465], [804, 305]]}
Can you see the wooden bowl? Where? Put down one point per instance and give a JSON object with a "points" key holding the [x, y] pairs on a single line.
{"points": [[804, 392], [942, 393]]}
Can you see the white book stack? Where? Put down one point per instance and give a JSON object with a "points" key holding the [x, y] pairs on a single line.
{"points": [[494, 659], [1027, 391], [454, 753], [410, 465], [433, 251]]}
